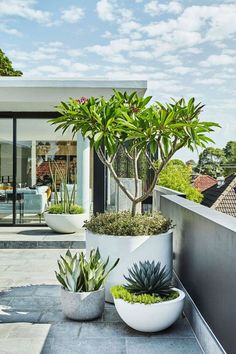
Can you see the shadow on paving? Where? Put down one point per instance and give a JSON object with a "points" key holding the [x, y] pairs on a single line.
{"points": [[38, 232], [34, 309]]}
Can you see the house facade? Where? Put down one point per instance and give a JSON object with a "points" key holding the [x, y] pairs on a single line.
{"points": [[30, 147]]}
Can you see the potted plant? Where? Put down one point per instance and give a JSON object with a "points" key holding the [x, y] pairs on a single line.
{"points": [[82, 291], [148, 302], [157, 132], [64, 215], [118, 235]]}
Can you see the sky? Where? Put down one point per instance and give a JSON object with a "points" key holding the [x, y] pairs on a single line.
{"points": [[182, 48]]}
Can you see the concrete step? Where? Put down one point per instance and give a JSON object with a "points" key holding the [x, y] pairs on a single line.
{"points": [[39, 237]]}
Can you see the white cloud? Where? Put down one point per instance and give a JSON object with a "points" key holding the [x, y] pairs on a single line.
{"points": [[113, 50], [108, 35], [154, 8], [24, 9], [105, 10], [221, 59], [209, 81], [72, 15], [182, 70], [56, 44], [218, 22], [75, 52], [171, 60], [47, 51], [127, 27], [64, 68], [5, 29], [170, 87], [142, 54]]}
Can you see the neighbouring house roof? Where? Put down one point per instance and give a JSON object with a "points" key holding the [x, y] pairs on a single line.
{"points": [[203, 182], [222, 198], [20, 94]]}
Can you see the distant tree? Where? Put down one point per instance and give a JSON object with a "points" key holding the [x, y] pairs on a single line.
{"points": [[230, 150], [211, 161], [177, 176], [191, 163], [177, 162], [6, 68], [230, 154]]}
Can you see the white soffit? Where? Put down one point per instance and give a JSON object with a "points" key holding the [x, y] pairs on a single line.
{"points": [[42, 95]]}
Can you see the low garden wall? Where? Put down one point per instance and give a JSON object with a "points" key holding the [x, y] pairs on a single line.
{"points": [[205, 262]]}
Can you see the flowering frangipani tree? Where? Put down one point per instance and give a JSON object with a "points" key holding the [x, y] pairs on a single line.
{"points": [[127, 121]]}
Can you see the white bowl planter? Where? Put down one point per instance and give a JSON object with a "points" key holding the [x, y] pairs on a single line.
{"points": [[65, 223], [83, 306], [130, 249], [150, 317]]}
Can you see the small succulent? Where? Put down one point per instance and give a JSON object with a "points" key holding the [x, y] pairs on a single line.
{"points": [[148, 278], [77, 274]]}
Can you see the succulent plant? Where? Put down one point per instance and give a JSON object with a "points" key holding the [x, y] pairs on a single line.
{"points": [[148, 278], [77, 274]]}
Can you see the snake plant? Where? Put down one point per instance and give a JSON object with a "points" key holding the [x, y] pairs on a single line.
{"points": [[78, 274]]}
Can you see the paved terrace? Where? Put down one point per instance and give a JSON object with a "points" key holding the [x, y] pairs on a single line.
{"points": [[31, 320]]}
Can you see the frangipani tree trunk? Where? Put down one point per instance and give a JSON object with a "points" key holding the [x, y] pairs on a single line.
{"points": [[127, 122]]}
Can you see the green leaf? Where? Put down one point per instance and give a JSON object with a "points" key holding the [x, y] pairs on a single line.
{"points": [[98, 136]]}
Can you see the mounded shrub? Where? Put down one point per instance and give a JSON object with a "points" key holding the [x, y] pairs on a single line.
{"points": [[124, 224]]}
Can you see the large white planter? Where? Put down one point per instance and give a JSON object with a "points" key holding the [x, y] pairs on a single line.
{"points": [[83, 306], [151, 317], [65, 223], [130, 249]]}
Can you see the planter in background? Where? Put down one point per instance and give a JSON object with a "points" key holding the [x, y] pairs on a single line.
{"points": [[65, 223], [130, 250], [150, 317], [83, 306]]}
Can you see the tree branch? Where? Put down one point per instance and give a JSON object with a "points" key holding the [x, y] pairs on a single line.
{"points": [[135, 164], [150, 161], [126, 152], [103, 159]]}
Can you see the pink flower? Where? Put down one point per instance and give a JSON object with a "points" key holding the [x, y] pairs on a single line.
{"points": [[82, 100], [135, 109]]}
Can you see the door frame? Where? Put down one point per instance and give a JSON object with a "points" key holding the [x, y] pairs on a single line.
{"points": [[14, 116], [99, 174]]}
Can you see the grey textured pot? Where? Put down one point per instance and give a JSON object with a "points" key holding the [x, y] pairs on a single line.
{"points": [[83, 306]]}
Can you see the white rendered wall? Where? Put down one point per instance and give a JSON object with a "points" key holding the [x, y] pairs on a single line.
{"points": [[83, 173]]}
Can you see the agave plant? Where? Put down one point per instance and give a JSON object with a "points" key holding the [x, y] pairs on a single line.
{"points": [[77, 274], [148, 278]]}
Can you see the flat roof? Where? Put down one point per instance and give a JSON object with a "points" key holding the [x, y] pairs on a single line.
{"points": [[43, 94], [68, 82]]}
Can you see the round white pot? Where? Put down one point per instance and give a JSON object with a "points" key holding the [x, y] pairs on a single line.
{"points": [[151, 317], [65, 223], [83, 306], [130, 249]]}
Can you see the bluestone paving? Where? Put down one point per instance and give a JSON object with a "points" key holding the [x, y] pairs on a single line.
{"points": [[31, 320], [162, 346], [39, 237]]}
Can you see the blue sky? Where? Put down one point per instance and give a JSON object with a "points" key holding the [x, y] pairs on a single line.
{"points": [[183, 48]]}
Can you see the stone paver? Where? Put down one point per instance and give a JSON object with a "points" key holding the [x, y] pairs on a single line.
{"points": [[31, 321], [39, 237]]}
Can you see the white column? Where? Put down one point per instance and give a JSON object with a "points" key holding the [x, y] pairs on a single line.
{"points": [[33, 163], [83, 173]]}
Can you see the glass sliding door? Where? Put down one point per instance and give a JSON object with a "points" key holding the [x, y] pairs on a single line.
{"points": [[40, 153], [6, 171]]}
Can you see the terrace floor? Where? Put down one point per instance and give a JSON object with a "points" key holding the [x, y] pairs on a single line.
{"points": [[31, 320]]}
